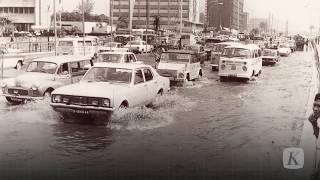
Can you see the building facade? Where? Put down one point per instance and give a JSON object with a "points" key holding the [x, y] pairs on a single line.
{"points": [[25, 13], [226, 13], [167, 10], [255, 23]]}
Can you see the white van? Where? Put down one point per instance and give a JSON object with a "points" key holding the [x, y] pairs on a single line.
{"points": [[74, 46], [240, 61]]}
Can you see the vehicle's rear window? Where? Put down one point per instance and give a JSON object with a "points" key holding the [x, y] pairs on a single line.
{"points": [[65, 43]]}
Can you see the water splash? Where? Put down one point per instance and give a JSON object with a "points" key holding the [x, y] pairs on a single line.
{"points": [[31, 112], [159, 114]]}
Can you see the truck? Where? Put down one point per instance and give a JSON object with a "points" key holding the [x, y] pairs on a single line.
{"points": [[300, 41]]}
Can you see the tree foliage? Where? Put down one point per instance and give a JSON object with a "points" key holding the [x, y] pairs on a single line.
{"points": [[263, 26], [123, 22], [88, 7], [76, 16]]}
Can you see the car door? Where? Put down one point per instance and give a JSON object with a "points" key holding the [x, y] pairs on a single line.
{"points": [[63, 75], [152, 83], [139, 93]]}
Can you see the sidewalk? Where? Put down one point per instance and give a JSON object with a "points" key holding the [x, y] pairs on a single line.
{"points": [[308, 141]]}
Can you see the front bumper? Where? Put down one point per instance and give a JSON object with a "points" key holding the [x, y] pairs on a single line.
{"points": [[23, 97], [77, 109]]}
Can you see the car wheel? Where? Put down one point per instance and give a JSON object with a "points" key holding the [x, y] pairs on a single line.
{"points": [[124, 105], [199, 78], [47, 94], [19, 66], [188, 77]]}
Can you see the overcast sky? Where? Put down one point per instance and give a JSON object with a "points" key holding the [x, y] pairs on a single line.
{"points": [[299, 13]]}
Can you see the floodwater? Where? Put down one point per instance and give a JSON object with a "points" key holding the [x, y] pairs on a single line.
{"points": [[207, 128]]}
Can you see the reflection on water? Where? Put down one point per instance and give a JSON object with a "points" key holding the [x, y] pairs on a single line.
{"points": [[78, 139]]}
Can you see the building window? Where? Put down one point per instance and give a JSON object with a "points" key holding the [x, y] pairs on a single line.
{"points": [[1, 10], [5, 10], [21, 10], [31, 10], [15, 10]]}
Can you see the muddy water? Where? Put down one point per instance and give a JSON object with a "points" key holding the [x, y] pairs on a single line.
{"points": [[205, 128]]}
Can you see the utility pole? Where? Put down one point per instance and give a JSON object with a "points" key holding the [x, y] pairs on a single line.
{"points": [[83, 29], [55, 27], [181, 17]]}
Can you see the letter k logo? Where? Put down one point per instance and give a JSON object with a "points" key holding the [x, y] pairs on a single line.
{"points": [[293, 158]]}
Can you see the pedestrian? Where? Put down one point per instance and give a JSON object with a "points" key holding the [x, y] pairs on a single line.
{"points": [[313, 118]]}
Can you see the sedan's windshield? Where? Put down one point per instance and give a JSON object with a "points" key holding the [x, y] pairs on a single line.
{"points": [[42, 67], [108, 74], [175, 57], [114, 58], [236, 52]]}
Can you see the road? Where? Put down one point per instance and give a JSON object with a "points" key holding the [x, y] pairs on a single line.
{"points": [[208, 128]]}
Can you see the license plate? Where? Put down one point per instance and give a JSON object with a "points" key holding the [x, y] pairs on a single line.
{"points": [[233, 67], [80, 111]]}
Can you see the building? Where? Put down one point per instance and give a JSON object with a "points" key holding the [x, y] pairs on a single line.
{"points": [[226, 13], [167, 10], [256, 23], [25, 13]]}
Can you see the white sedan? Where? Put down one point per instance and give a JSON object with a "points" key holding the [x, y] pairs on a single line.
{"points": [[284, 50], [107, 87]]}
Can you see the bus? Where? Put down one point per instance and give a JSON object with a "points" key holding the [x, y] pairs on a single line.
{"points": [[240, 61], [76, 46]]}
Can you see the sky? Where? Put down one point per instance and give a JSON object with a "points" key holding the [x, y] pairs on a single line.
{"points": [[299, 13]]}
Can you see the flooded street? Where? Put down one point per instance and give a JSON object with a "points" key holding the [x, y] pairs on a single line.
{"points": [[206, 128]]}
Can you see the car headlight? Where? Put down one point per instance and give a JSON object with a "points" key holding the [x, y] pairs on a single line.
{"points": [[3, 85], [34, 88], [95, 102], [56, 98], [65, 100], [106, 102], [244, 68]]}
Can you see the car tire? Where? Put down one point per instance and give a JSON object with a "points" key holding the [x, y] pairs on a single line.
{"points": [[47, 93], [19, 66], [199, 78], [188, 77]]}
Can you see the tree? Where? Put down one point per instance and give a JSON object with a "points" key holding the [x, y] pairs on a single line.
{"points": [[123, 22], [255, 31], [156, 24], [88, 8], [76, 16]]}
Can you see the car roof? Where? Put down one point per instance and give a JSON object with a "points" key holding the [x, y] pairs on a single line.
{"points": [[249, 46], [122, 65], [228, 43], [76, 39], [116, 52], [63, 59], [180, 51]]}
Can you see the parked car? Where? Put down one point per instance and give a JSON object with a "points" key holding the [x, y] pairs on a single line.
{"points": [[139, 46], [284, 50], [107, 87], [117, 57], [180, 65], [41, 76], [199, 50], [270, 56]]}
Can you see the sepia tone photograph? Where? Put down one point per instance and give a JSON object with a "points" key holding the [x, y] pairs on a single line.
{"points": [[159, 89]]}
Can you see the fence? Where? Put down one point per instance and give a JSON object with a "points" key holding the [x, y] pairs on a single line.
{"points": [[30, 46]]}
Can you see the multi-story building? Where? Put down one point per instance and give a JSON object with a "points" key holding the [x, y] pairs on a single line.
{"points": [[226, 13], [256, 23], [167, 10], [25, 13]]}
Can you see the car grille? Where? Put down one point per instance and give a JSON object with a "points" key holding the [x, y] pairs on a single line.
{"points": [[81, 100], [167, 73], [267, 59], [21, 92]]}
